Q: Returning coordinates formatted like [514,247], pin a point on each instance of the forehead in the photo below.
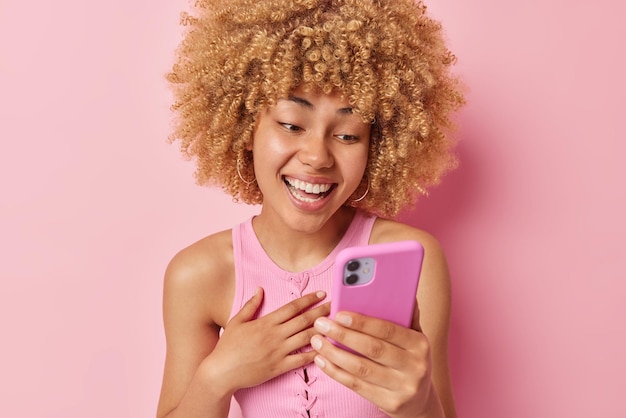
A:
[314,99]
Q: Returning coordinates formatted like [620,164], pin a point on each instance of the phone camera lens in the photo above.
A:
[353,265]
[352,279]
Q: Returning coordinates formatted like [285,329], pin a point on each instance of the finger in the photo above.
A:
[300,340]
[249,309]
[385,342]
[295,307]
[297,360]
[359,366]
[379,328]
[382,397]
[365,381]
[306,319]
[373,348]
[290,362]
[377,383]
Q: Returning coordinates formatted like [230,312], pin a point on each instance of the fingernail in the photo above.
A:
[322,324]
[344,319]
[320,362]
[316,343]
[321,294]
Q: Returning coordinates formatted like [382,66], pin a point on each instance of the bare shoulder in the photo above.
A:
[202,275]
[386,230]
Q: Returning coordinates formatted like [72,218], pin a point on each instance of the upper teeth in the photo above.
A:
[309,187]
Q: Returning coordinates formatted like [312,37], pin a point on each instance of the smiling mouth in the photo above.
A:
[308,192]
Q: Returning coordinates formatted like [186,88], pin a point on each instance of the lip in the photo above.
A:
[318,194]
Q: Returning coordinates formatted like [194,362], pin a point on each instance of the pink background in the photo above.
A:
[94,202]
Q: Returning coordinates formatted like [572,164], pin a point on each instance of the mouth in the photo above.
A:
[308,192]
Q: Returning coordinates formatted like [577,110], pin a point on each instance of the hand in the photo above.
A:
[252,351]
[394,372]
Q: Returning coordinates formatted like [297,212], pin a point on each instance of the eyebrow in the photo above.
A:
[305,103]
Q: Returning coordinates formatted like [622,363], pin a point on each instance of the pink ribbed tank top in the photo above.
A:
[290,395]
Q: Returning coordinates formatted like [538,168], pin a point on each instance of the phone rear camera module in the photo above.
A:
[352,279]
[358,271]
[353,265]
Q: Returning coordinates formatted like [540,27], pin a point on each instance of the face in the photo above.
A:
[310,152]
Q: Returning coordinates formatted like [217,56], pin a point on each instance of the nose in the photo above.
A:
[315,152]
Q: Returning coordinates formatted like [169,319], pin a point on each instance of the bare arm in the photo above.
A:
[191,335]
[434,298]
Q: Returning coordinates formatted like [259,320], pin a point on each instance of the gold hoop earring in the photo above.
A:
[364,194]
[247,182]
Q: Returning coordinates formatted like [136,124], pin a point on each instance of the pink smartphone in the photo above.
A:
[378,280]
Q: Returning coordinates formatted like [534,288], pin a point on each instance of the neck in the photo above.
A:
[300,249]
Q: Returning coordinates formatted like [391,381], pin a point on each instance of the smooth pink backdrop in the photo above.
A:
[94,202]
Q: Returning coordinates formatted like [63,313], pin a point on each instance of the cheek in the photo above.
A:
[363,157]
[270,155]
[271,144]
[354,165]
[278,148]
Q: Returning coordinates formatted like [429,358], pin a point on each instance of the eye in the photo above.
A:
[290,127]
[347,138]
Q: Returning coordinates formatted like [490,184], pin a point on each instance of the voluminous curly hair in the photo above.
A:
[386,57]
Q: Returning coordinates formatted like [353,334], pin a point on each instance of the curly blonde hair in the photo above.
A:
[386,57]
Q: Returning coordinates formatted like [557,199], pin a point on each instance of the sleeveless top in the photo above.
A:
[305,392]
